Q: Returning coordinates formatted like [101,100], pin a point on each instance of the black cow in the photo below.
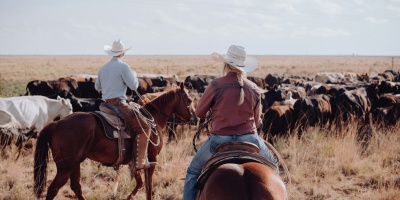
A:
[79,104]
[38,87]
[276,121]
[309,111]
[273,79]
[268,98]
[47,88]
[198,82]
[86,89]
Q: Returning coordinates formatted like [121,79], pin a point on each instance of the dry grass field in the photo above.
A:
[322,166]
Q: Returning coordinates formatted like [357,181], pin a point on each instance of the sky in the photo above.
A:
[200,27]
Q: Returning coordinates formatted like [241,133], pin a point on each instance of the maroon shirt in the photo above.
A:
[229,118]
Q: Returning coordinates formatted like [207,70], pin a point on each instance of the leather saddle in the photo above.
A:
[113,125]
[232,152]
[114,128]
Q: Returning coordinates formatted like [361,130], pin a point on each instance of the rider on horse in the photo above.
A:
[235,105]
[112,81]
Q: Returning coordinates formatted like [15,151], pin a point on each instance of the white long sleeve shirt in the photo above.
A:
[114,78]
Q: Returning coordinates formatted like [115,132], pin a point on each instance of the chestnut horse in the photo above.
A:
[250,180]
[80,136]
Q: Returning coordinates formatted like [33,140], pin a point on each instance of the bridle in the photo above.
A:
[183,94]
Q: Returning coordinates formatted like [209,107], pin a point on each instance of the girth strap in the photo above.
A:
[121,137]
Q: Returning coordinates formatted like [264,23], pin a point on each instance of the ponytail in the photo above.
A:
[239,77]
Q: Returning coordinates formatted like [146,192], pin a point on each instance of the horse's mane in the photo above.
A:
[160,102]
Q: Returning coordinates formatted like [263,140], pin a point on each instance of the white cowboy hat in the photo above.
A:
[116,49]
[237,57]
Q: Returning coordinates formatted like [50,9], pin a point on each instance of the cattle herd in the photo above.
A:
[290,104]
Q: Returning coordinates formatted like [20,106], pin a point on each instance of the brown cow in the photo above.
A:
[260,82]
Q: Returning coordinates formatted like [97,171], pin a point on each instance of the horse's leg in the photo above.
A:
[59,181]
[139,184]
[75,183]
[149,182]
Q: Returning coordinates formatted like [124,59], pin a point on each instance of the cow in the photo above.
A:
[313,111]
[86,89]
[260,82]
[25,116]
[386,100]
[288,101]
[80,104]
[268,98]
[356,106]
[47,88]
[329,77]
[83,77]
[35,112]
[162,80]
[297,91]
[389,87]
[386,117]
[351,105]
[198,83]
[273,79]
[144,87]
[276,121]
[38,87]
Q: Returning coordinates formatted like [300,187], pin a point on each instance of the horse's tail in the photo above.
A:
[41,158]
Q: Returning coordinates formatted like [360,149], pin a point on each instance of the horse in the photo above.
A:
[240,177]
[81,135]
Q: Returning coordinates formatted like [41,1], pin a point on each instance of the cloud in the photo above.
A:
[284,8]
[394,8]
[327,32]
[329,8]
[374,20]
[299,32]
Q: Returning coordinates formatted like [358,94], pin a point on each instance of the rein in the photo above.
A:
[201,127]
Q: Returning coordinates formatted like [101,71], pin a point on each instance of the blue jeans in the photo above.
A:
[208,149]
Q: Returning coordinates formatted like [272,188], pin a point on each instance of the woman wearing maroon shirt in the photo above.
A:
[235,104]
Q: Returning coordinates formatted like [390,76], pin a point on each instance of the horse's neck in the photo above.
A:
[160,118]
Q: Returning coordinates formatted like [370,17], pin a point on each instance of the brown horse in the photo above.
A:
[80,136]
[250,180]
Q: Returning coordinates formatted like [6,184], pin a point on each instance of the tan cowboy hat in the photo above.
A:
[116,49]
[237,57]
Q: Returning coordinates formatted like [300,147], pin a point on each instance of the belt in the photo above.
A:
[112,101]
[236,134]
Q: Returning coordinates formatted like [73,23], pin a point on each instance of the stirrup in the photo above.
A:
[147,165]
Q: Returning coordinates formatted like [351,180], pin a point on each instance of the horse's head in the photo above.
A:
[185,108]
[174,101]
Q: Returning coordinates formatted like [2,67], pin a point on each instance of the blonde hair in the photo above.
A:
[240,75]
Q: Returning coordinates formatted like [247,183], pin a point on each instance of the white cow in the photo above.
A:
[332,77]
[31,112]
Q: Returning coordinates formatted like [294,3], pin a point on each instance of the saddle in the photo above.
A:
[112,124]
[114,128]
[232,152]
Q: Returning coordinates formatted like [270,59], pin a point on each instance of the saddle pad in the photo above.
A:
[110,125]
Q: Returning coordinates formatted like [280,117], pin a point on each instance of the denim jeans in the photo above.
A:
[208,149]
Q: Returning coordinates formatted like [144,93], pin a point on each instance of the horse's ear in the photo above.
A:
[182,86]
